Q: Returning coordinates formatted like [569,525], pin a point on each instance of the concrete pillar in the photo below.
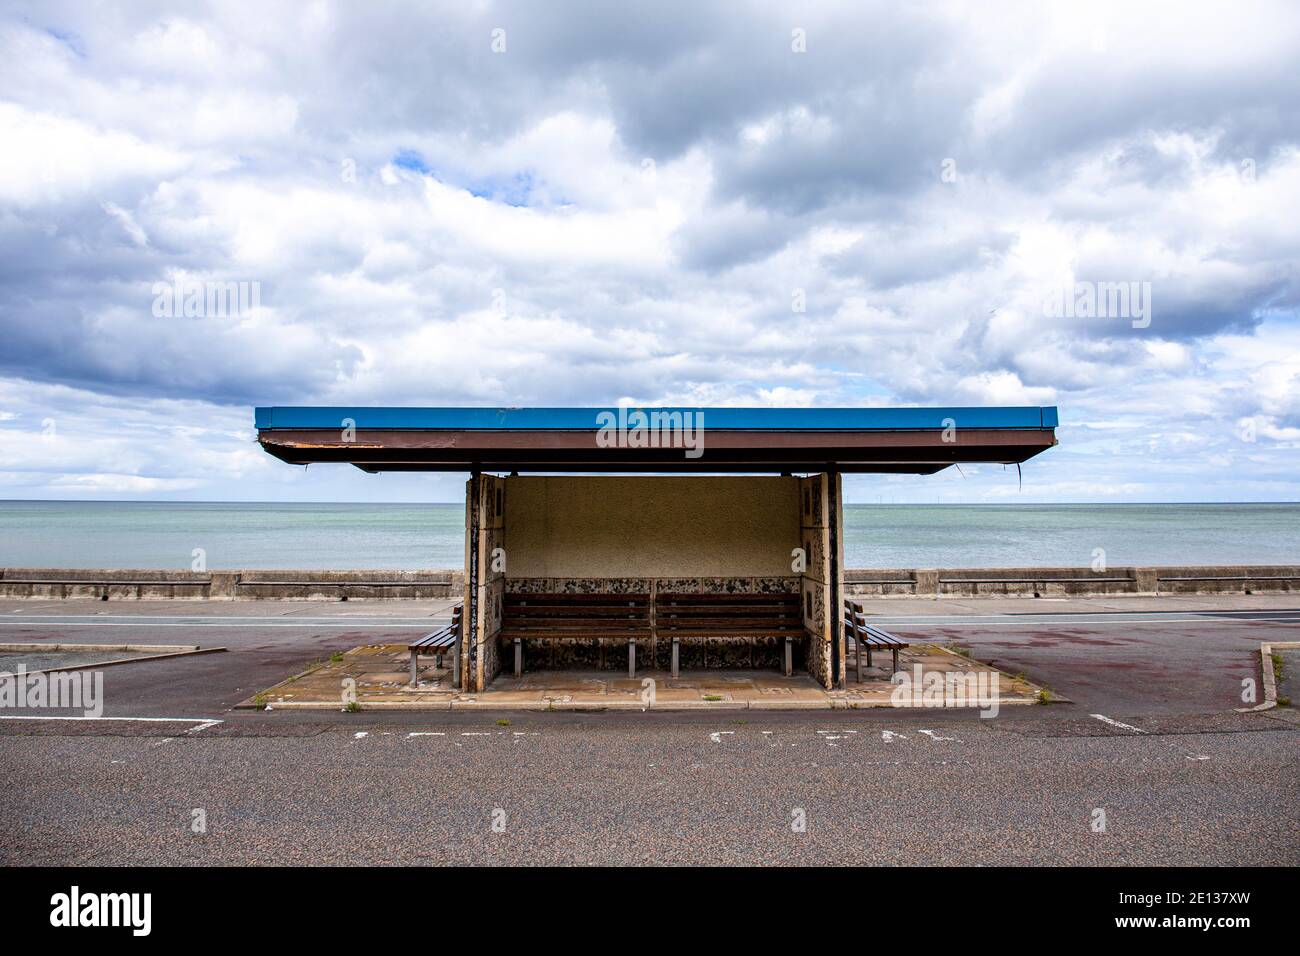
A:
[225,585]
[927,582]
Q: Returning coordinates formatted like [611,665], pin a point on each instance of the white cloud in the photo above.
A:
[632,208]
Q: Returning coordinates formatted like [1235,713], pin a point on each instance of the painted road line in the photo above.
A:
[1115,723]
[959,622]
[354,626]
[1067,616]
[204,722]
[940,623]
[1099,618]
[230,617]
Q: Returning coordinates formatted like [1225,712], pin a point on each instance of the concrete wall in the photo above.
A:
[1057,582]
[129,584]
[617,526]
[57,583]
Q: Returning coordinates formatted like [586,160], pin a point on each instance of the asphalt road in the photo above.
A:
[869,788]
[1150,741]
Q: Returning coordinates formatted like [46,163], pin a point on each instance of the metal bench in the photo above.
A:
[867,636]
[729,615]
[445,639]
[599,617]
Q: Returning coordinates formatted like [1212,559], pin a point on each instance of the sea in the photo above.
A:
[234,535]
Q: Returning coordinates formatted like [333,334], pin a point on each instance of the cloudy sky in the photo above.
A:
[580,203]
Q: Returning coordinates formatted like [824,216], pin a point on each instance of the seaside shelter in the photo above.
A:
[677,537]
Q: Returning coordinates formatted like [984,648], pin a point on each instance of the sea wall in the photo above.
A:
[1057,582]
[57,583]
[113,585]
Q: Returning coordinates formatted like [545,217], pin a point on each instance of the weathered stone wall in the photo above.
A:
[290,585]
[1080,581]
[492,564]
[248,585]
[654,651]
[814,525]
[837,622]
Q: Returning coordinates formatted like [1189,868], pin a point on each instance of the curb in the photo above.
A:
[1266,671]
[592,706]
[188,652]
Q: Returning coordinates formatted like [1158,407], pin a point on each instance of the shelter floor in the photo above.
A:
[382,681]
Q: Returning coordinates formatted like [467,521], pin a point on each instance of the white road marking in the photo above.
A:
[230,617]
[425,733]
[717,735]
[959,623]
[888,735]
[933,736]
[980,621]
[205,721]
[359,734]
[43,622]
[1115,723]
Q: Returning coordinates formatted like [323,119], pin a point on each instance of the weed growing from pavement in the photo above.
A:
[336,657]
[351,707]
[1044,695]
[1277,665]
[503,722]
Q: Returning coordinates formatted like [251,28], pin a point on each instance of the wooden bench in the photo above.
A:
[729,615]
[600,617]
[444,640]
[868,636]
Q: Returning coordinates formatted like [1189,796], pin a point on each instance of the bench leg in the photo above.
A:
[413,656]
[868,655]
[677,645]
[896,660]
[789,656]
[519,656]
[631,657]
[455,668]
[857,653]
